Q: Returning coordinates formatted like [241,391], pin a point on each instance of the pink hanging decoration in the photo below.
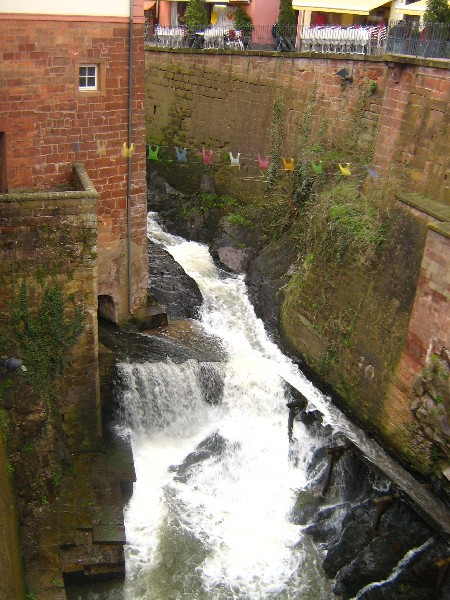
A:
[207,158]
[263,163]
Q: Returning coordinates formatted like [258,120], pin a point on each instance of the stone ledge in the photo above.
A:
[428,206]
[442,228]
[85,189]
[437,63]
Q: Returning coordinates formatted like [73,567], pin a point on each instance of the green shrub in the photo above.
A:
[196,15]
[242,21]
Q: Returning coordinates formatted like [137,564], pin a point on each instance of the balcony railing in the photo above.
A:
[412,39]
[431,41]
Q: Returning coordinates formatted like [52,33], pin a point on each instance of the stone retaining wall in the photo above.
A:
[54,234]
[225,101]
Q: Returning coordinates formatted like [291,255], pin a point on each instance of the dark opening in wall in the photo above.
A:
[3,178]
[107,308]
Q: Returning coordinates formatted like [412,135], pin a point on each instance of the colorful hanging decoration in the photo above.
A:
[207,158]
[317,168]
[288,165]
[371,171]
[263,163]
[235,161]
[101,147]
[127,152]
[345,170]
[153,152]
[181,156]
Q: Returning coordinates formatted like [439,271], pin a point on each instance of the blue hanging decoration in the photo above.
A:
[371,171]
[235,161]
[263,162]
[345,170]
[181,156]
[317,168]
[153,152]
[76,146]
[207,158]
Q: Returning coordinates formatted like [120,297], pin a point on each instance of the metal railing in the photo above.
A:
[413,39]
[430,41]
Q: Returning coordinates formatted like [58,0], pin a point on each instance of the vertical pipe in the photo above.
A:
[130,113]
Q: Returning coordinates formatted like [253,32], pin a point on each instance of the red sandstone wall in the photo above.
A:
[429,326]
[414,127]
[49,125]
[225,101]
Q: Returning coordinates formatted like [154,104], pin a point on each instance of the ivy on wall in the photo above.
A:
[43,338]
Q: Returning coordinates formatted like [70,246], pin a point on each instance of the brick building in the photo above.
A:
[66,98]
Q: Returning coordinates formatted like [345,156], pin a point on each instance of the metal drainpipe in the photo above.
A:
[130,96]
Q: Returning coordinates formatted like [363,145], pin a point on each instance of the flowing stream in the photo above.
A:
[217,525]
[210,515]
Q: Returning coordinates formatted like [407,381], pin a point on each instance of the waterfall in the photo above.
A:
[225,506]
[209,515]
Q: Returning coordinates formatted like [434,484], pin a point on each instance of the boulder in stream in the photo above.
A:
[213,445]
[172,287]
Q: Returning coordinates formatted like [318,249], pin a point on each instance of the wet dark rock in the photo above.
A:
[155,315]
[400,531]
[139,347]
[327,525]
[358,477]
[265,277]
[234,246]
[356,534]
[211,380]
[171,285]
[306,506]
[310,418]
[418,581]
[213,445]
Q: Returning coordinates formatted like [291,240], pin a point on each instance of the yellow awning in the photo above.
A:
[352,7]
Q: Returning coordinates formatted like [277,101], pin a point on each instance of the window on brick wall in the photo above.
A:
[88,77]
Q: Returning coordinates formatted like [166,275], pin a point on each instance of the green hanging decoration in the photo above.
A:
[317,168]
[153,152]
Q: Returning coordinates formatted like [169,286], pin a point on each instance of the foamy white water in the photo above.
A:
[217,527]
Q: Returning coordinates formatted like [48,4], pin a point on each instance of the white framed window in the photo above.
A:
[88,77]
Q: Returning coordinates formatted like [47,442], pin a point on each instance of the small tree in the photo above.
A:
[196,15]
[242,21]
[287,17]
[438,11]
